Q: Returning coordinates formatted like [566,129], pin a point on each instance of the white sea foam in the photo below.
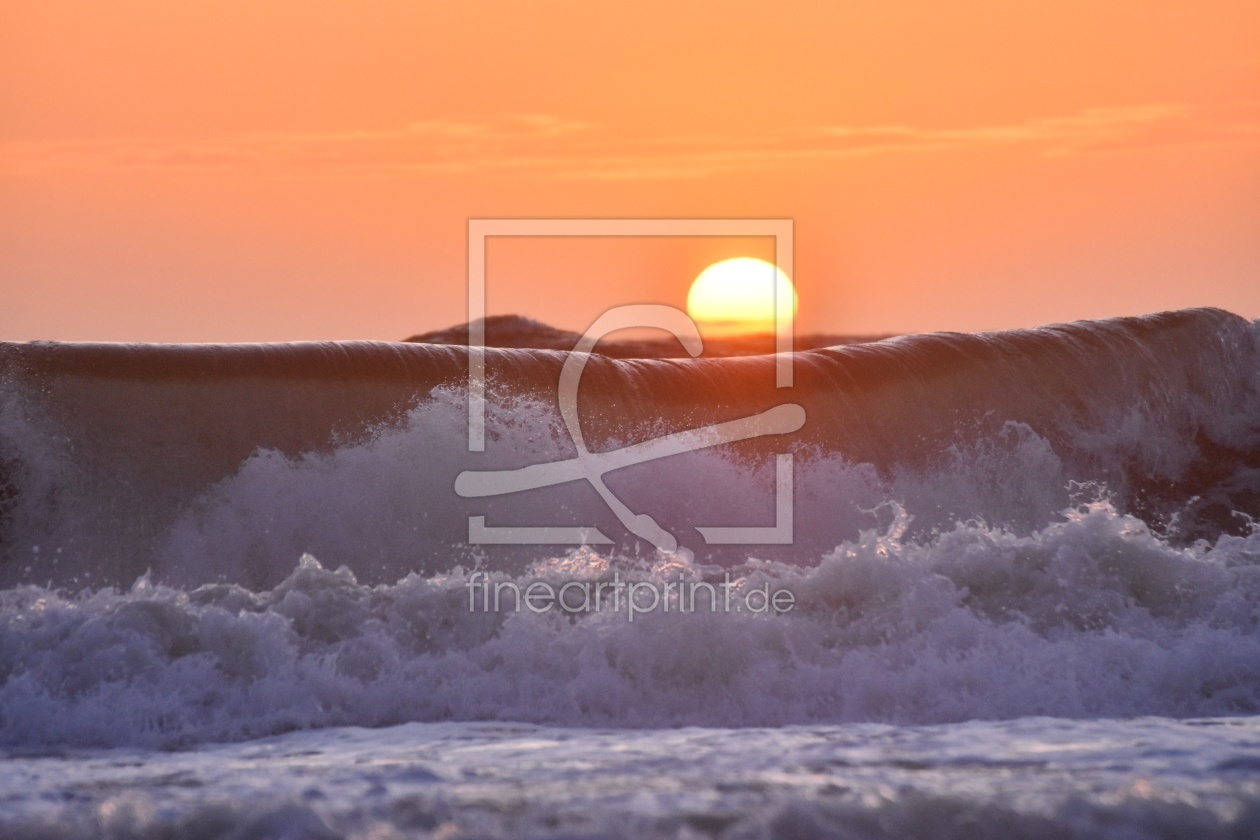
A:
[1090,616]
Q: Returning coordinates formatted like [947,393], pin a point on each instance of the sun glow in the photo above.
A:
[738,296]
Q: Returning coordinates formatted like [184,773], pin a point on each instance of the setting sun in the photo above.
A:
[737,296]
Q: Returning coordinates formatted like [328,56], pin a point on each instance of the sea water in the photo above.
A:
[1031,777]
[240,601]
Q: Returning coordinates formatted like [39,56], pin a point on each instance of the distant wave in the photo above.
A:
[522,332]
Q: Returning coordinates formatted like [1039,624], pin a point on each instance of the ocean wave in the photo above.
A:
[206,463]
[1057,521]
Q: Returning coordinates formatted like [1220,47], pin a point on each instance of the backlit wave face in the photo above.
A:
[227,463]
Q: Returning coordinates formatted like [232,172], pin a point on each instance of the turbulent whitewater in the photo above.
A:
[205,544]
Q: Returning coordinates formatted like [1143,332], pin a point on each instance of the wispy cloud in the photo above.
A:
[1091,128]
[551,146]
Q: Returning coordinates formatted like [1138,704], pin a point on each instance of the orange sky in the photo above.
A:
[302,169]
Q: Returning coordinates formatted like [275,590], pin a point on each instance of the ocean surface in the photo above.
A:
[1019,594]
